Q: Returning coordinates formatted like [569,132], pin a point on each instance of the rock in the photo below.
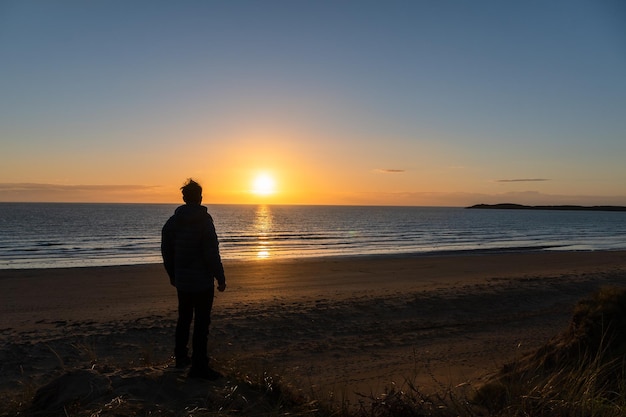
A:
[79,387]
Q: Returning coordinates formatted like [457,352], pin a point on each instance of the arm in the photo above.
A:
[211,254]
[167,250]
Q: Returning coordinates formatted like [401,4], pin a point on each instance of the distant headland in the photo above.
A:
[510,206]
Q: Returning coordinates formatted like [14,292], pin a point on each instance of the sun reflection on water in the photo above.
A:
[263,226]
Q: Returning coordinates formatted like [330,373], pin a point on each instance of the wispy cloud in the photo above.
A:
[464,199]
[63,187]
[524,180]
[389,171]
[78,193]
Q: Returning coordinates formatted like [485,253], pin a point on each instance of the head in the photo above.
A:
[192,192]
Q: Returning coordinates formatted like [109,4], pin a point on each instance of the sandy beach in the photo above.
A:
[335,326]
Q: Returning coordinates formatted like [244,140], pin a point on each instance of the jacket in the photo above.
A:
[190,249]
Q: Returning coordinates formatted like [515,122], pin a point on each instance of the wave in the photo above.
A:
[48,235]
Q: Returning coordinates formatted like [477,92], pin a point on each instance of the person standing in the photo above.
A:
[191,257]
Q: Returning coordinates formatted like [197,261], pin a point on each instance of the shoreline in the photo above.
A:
[341,325]
[398,255]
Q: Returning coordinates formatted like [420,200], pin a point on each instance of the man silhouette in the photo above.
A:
[191,257]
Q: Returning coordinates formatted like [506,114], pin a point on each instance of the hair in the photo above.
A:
[192,192]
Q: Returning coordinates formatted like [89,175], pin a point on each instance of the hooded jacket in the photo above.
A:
[190,249]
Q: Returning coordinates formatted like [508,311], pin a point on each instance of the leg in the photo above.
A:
[203,303]
[185,314]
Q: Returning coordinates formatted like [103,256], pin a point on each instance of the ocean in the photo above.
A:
[51,235]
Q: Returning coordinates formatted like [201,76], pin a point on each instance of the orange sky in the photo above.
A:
[375,103]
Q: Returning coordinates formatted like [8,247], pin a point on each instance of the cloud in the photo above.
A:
[389,171]
[62,187]
[30,192]
[524,180]
[464,199]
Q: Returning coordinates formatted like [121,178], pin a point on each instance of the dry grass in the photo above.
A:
[580,372]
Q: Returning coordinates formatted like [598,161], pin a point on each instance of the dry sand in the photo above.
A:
[331,326]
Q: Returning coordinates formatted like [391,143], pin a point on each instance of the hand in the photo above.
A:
[221,287]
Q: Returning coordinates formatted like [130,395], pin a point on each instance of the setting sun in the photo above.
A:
[263,184]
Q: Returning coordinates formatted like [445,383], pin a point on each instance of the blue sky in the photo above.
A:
[343,102]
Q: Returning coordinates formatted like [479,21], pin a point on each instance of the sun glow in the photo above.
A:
[263,184]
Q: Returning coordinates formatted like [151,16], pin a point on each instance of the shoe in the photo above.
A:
[207,373]
[183,362]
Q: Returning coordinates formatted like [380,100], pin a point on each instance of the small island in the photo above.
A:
[511,206]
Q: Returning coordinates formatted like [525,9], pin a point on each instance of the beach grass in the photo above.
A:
[566,395]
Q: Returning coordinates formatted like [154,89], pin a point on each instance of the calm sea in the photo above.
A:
[34,235]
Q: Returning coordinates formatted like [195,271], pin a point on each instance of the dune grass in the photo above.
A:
[580,372]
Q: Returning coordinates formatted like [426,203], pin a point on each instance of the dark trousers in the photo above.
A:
[190,305]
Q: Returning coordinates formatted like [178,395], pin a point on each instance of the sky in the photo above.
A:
[422,103]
